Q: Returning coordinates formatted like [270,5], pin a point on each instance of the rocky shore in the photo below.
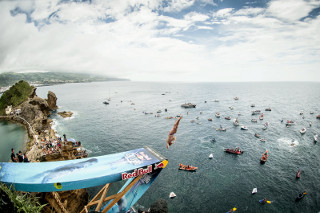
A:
[34,115]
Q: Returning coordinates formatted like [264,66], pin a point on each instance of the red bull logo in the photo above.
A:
[158,166]
[137,172]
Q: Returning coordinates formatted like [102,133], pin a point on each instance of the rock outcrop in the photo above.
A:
[65,114]
[52,101]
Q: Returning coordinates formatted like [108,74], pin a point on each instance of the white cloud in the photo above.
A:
[178,5]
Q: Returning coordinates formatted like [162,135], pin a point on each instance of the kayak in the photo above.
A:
[263,202]
[301,195]
[298,174]
[187,167]
[255,190]
[232,210]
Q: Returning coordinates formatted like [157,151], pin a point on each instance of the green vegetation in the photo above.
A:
[12,201]
[16,95]
[50,78]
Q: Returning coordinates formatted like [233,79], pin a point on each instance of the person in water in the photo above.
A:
[171,138]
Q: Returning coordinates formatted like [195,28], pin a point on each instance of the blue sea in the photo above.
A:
[221,183]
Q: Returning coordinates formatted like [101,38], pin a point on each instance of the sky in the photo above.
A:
[155,40]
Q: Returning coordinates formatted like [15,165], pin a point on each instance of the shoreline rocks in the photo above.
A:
[65,114]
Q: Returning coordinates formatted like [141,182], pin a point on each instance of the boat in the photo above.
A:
[172,195]
[216,100]
[254,120]
[252,105]
[301,113]
[209,119]
[187,167]
[263,140]
[268,109]
[221,129]
[255,112]
[261,116]
[290,123]
[257,135]
[244,128]
[298,174]
[106,102]
[301,195]
[159,111]
[311,113]
[231,107]
[211,156]
[232,210]
[188,105]
[254,191]
[228,118]
[310,123]
[236,98]
[264,157]
[236,151]
[218,114]
[303,130]
[264,201]
[236,122]
[316,137]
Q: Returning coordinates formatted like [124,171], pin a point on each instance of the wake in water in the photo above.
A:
[288,142]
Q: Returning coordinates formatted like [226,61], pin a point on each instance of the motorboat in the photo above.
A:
[256,112]
[228,118]
[172,195]
[257,135]
[159,111]
[221,129]
[231,107]
[216,100]
[187,167]
[244,128]
[261,116]
[254,120]
[303,130]
[236,151]
[209,119]
[290,123]
[236,98]
[105,102]
[218,114]
[316,138]
[268,109]
[264,157]
[252,105]
[236,122]
[263,140]
[188,105]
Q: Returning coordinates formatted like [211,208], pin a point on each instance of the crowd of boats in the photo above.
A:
[238,151]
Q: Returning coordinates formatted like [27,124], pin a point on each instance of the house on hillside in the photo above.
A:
[9,110]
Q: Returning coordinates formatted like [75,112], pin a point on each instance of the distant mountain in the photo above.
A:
[50,78]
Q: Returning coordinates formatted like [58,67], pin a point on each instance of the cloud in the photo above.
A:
[155,40]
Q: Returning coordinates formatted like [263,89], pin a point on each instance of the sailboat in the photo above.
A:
[255,190]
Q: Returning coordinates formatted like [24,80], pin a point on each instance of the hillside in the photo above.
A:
[50,78]
[16,95]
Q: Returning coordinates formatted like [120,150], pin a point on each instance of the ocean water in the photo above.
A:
[11,136]
[221,183]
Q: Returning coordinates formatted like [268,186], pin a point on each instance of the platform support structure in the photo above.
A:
[100,197]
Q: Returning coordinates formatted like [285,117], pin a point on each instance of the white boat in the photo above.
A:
[290,123]
[316,137]
[255,112]
[252,105]
[303,130]
[218,115]
[263,140]
[244,128]
[172,195]
[236,98]
[211,156]
[254,120]
[231,107]
[268,109]
[236,122]
[216,100]
[188,105]
[261,116]
[255,190]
